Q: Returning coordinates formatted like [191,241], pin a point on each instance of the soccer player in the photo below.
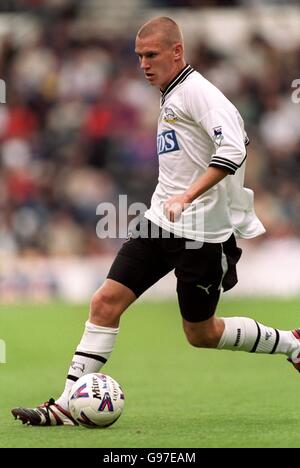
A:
[198,208]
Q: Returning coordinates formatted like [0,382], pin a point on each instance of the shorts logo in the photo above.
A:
[167,142]
[129,236]
[205,288]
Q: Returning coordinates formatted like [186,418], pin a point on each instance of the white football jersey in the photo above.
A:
[199,127]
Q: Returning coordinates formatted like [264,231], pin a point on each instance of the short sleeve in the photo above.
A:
[226,129]
[222,123]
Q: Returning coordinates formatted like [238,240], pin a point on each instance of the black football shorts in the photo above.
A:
[201,272]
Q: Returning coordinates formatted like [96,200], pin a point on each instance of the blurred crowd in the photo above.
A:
[78,128]
[50,5]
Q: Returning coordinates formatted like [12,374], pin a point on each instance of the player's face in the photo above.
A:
[159,61]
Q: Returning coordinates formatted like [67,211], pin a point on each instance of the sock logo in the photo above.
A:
[238,337]
[268,335]
[78,365]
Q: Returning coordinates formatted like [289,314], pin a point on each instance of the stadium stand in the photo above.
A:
[74,134]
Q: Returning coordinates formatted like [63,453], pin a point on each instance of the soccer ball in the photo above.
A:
[96,400]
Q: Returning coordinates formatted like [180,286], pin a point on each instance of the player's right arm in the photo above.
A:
[175,205]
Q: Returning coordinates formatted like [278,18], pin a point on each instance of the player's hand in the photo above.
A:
[174,207]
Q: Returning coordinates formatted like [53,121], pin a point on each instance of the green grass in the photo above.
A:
[176,395]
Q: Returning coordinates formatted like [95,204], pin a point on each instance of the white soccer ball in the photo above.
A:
[96,400]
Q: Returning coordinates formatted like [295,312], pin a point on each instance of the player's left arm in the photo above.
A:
[174,206]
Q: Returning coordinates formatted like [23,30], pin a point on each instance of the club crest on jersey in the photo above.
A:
[169,116]
[167,142]
[218,135]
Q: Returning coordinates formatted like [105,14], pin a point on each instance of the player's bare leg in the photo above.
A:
[205,334]
[97,343]
[244,334]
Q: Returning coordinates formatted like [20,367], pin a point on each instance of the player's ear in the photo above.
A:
[178,51]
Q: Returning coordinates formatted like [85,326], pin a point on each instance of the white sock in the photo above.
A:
[245,334]
[91,354]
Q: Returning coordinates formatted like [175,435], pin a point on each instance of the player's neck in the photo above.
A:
[176,73]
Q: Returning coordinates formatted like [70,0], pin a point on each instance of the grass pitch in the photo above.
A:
[176,395]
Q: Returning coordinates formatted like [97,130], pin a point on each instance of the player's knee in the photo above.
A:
[104,306]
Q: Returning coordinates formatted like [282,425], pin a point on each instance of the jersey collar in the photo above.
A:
[182,75]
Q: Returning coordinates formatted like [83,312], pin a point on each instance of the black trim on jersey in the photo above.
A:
[276,342]
[222,166]
[257,339]
[224,160]
[91,356]
[218,161]
[176,81]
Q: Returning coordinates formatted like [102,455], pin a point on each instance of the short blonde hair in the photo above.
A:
[165,26]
